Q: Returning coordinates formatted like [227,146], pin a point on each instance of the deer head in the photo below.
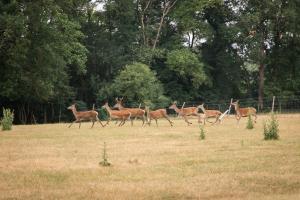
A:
[201,106]
[235,103]
[119,102]
[72,107]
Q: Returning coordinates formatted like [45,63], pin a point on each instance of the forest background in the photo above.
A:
[54,53]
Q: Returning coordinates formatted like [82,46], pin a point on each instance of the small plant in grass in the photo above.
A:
[202,133]
[250,124]
[7,120]
[104,161]
[271,131]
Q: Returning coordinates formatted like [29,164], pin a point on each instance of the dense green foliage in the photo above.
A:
[138,84]
[202,133]
[271,131]
[55,52]
[7,120]
[250,124]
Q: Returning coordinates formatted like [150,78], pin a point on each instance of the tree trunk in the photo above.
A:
[261,86]
[261,71]
[158,31]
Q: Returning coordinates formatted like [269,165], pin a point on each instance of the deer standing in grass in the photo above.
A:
[84,115]
[243,112]
[117,114]
[210,113]
[189,111]
[157,114]
[135,112]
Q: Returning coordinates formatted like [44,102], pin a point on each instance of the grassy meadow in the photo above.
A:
[56,162]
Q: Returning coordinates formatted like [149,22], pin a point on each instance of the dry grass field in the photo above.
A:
[55,162]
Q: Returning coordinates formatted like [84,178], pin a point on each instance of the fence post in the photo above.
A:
[230,106]
[273,104]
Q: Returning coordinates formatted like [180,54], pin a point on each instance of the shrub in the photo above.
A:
[138,83]
[250,124]
[8,118]
[202,133]
[271,131]
[104,161]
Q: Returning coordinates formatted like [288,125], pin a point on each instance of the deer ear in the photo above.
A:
[121,99]
[175,102]
[237,101]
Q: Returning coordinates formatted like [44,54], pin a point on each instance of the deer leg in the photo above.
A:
[131,121]
[73,123]
[219,119]
[238,120]
[108,120]
[167,118]
[149,123]
[143,119]
[185,119]
[255,118]
[98,120]
[124,121]
[79,123]
[121,122]
[93,123]
[156,122]
[199,118]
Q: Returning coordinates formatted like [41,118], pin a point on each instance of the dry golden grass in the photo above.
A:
[55,162]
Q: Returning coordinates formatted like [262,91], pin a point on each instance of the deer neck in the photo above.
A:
[74,111]
[121,107]
[107,108]
[237,109]
[177,109]
[203,109]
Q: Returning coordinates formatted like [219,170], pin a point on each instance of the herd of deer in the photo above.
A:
[123,114]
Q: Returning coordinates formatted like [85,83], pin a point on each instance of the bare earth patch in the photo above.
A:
[55,162]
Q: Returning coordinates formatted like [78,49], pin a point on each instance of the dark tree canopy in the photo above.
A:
[53,53]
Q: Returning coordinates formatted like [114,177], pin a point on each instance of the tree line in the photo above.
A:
[53,53]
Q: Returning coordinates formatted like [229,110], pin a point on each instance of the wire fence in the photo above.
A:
[282,104]
[53,113]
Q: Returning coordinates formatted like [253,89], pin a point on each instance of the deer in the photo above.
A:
[135,112]
[243,112]
[189,111]
[84,115]
[157,114]
[210,113]
[117,114]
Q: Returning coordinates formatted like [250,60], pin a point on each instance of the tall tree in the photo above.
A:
[38,42]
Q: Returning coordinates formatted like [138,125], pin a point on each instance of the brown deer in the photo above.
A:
[135,112]
[189,111]
[157,114]
[84,115]
[117,114]
[210,113]
[243,112]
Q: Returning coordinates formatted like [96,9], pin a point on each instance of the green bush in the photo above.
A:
[202,133]
[250,124]
[7,120]
[271,131]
